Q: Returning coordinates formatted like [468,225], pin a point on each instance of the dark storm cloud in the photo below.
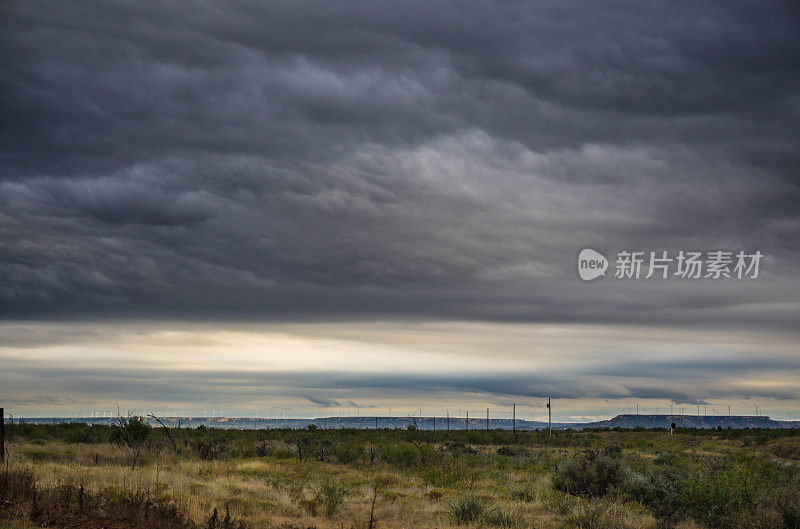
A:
[373,159]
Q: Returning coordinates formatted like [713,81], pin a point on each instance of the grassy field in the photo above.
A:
[137,476]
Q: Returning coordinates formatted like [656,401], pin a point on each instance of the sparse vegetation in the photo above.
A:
[126,476]
[467,509]
[504,518]
[590,474]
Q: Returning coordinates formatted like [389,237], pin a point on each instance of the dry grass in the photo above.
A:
[514,482]
[267,492]
[16,524]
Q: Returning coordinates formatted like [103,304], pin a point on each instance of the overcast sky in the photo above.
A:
[318,206]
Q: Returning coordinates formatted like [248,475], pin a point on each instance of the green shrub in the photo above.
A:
[786,502]
[662,493]
[331,496]
[719,494]
[591,475]
[400,454]
[349,453]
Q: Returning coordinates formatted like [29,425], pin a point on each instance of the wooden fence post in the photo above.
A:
[2,434]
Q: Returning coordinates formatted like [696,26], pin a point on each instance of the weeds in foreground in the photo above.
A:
[597,514]
[70,506]
[468,509]
[503,518]
[472,509]
[525,493]
[561,504]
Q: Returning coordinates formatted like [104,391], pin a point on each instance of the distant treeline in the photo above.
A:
[94,433]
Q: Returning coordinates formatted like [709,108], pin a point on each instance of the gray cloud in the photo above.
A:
[253,160]
[332,403]
[36,400]
[614,380]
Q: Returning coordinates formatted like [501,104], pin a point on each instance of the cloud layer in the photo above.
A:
[287,159]
[369,161]
[314,369]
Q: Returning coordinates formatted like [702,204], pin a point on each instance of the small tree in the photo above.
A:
[316,444]
[377,484]
[166,431]
[133,433]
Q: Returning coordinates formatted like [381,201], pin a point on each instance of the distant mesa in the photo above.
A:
[441,423]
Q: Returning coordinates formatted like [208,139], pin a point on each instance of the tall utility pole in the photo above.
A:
[2,434]
[448,420]
[487,419]
[514,417]
[549,418]
[466,423]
